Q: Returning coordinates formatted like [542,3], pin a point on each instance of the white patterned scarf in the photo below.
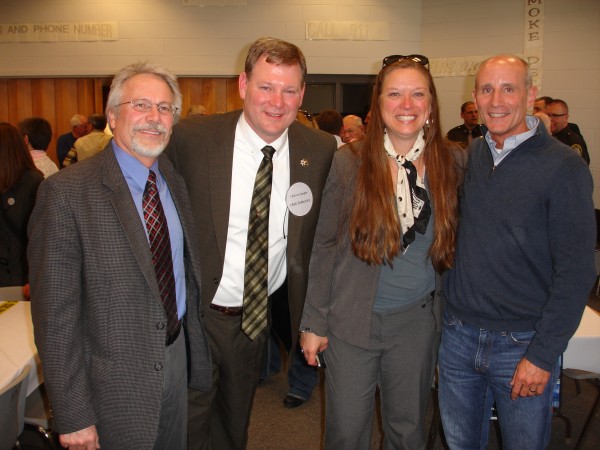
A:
[412,200]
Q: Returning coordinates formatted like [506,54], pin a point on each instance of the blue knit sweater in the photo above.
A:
[526,239]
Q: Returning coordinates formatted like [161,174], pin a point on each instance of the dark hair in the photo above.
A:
[38,132]
[331,121]
[546,99]
[465,104]
[278,52]
[558,101]
[374,224]
[14,155]
[98,121]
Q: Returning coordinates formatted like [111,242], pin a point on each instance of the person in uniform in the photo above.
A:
[558,110]
[470,129]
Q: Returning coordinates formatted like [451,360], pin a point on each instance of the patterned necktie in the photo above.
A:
[160,245]
[256,272]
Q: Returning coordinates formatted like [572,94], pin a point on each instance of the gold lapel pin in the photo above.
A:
[304,162]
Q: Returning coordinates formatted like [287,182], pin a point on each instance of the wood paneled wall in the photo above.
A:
[58,99]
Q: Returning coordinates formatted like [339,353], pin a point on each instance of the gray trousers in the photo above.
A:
[401,360]
[172,424]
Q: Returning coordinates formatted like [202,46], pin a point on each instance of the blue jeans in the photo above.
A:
[302,378]
[475,369]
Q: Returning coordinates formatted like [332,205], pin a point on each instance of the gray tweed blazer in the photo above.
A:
[98,317]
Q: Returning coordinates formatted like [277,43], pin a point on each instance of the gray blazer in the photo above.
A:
[99,321]
[201,149]
[342,288]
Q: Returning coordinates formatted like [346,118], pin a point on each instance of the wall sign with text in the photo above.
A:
[59,32]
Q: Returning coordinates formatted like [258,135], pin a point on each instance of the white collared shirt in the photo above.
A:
[247,157]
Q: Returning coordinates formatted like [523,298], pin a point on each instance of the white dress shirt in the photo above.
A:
[247,156]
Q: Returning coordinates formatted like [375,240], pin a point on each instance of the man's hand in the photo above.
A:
[310,344]
[86,439]
[528,380]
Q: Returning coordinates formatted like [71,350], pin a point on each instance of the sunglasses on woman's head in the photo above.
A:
[423,60]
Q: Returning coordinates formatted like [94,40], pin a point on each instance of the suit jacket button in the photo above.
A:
[201,313]
[160,326]
[215,281]
[158,367]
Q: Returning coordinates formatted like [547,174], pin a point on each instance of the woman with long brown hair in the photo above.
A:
[387,226]
[19,180]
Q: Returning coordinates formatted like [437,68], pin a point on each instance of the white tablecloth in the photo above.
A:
[17,348]
[583,352]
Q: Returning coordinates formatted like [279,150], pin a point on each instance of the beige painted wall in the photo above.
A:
[571,55]
[212,40]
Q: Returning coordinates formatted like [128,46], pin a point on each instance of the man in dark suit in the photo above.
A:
[108,308]
[470,129]
[220,157]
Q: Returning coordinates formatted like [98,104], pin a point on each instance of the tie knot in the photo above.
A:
[268,151]
[150,184]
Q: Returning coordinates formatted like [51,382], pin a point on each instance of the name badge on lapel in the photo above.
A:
[299,199]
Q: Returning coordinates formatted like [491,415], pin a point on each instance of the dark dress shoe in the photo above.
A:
[291,401]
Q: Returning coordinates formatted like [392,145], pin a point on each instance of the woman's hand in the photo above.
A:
[310,344]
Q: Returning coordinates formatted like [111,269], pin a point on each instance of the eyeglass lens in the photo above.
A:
[145,106]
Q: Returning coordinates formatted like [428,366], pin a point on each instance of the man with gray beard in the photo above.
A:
[115,278]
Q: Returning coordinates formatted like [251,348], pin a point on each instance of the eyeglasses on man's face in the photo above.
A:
[554,116]
[144,106]
[423,60]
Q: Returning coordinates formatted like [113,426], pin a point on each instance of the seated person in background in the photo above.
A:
[80,126]
[331,121]
[470,129]
[353,130]
[37,134]
[540,105]
[558,110]
[87,146]
[19,180]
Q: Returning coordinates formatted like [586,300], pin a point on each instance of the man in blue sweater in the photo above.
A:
[524,268]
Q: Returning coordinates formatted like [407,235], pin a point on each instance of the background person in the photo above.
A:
[387,224]
[87,146]
[37,134]
[353,129]
[111,286]
[470,129]
[220,157]
[80,126]
[541,105]
[523,270]
[558,111]
[19,181]
[331,121]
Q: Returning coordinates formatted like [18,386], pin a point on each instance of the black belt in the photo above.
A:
[232,311]
[174,336]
